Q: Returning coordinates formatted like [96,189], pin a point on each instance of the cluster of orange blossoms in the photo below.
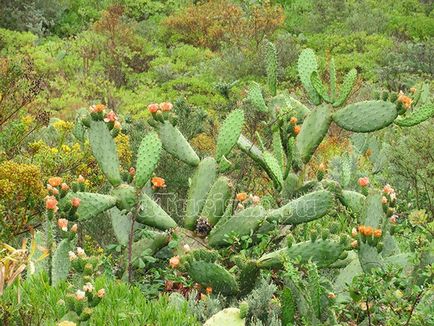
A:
[155,107]
[363,182]
[293,121]
[368,231]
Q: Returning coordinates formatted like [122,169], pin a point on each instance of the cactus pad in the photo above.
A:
[417,116]
[104,149]
[306,66]
[303,209]
[226,317]
[201,183]
[153,215]
[150,244]
[313,131]
[60,262]
[271,67]
[217,199]
[242,223]
[346,87]
[255,97]
[126,196]
[174,143]
[366,116]
[275,168]
[319,87]
[229,133]
[147,158]
[212,275]
[90,204]
[121,224]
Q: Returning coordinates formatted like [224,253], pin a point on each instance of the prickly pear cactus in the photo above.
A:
[228,317]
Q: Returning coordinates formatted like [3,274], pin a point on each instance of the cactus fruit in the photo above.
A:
[306,66]
[104,149]
[303,209]
[175,144]
[313,131]
[226,317]
[153,215]
[217,199]
[255,97]
[271,67]
[90,204]
[201,184]
[243,223]
[147,158]
[212,275]
[346,87]
[366,116]
[229,133]
[60,261]
[417,116]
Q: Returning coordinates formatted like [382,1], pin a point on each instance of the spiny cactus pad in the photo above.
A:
[201,183]
[346,87]
[275,168]
[301,111]
[321,252]
[174,143]
[255,97]
[90,204]
[303,209]
[104,150]
[147,158]
[306,66]
[313,131]
[319,87]
[353,201]
[153,215]
[212,275]
[242,223]
[60,262]
[271,67]
[366,116]
[229,133]
[278,150]
[150,244]
[217,199]
[126,196]
[121,224]
[332,78]
[226,317]
[417,116]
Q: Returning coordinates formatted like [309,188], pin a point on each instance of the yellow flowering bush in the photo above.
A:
[21,192]
[124,149]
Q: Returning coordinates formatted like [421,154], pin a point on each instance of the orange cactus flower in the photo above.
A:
[110,117]
[132,171]
[80,295]
[405,100]
[81,179]
[354,244]
[97,108]
[100,293]
[166,106]
[388,189]
[354,232]
[297,130]
[174,262]
[208,290]
[384,200]
[158,182]
[331,295]
[293,121]
[368,231]
[51,203]
[242,196]
[75,202]
[393,219]
[62,223]
[153,107]
[55,181]
[54,191]
[117,125]
[377,233]
[361,228]
[363,182]
[64,187]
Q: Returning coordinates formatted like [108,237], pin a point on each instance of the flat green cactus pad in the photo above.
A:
[354,201]
[90,204]
[226,317]
[150,244]
[229,133]
[313,131]
[61,263]
[212,275]
[306,66]
[242,223]
[147,158]
[417,116]
[153,215]
[303,209]
[121,224]
[366,116]
[217,199]
[174,143]
[104,150]
[346,87]
[201,184]
[255,97]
